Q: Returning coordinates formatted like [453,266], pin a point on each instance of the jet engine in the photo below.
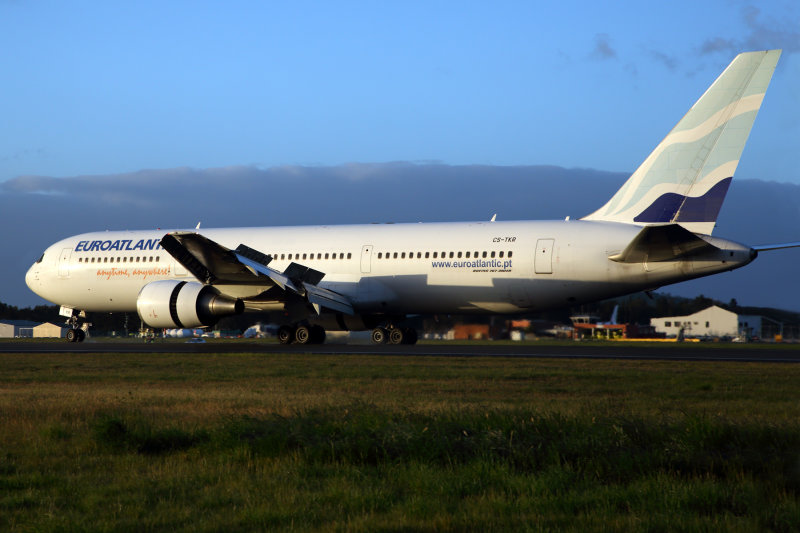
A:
[182,304]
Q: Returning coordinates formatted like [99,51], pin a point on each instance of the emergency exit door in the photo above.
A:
[63,263]
[366,259]
[543,260]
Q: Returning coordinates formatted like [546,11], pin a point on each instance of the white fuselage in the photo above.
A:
[477,267]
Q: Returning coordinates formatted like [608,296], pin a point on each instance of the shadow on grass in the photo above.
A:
[605,451]
[121,435]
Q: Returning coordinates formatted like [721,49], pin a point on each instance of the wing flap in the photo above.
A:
[320,297]
[280,279]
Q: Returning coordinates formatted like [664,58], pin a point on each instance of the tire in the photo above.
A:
[302,335]
[317,335]
[410,336]
[72,335]
[285,334]
[379,336]
[396,336]
[81,335]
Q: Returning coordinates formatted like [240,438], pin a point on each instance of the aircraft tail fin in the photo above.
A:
[685,179]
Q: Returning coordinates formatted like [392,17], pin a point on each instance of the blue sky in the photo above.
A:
[106,87]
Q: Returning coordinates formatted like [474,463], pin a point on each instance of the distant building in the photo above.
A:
[713,321]
[48,330]
[471,331]
[10,329]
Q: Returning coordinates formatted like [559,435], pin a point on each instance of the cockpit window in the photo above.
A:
[40,259]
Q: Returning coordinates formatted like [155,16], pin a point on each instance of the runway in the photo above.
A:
[746,353]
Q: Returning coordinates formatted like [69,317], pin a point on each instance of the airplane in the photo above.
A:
[654,231]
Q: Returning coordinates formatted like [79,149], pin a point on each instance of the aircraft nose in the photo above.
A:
[32,278]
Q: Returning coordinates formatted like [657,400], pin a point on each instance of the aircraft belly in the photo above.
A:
[413,294]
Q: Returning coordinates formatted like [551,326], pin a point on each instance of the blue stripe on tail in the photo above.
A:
[700,209]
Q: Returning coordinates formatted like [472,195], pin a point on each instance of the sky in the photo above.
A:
[108,87]
[106,106]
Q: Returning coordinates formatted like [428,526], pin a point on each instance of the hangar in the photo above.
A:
[712,321]
[10,329]
[49,330]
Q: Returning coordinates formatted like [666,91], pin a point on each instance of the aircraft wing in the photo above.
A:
[214,264]
[208,261]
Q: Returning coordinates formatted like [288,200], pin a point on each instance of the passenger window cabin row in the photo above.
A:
[308,256]
[397,255]
[445,255]
[326,255]
[123,259]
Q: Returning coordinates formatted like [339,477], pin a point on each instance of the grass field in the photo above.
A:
[133,442]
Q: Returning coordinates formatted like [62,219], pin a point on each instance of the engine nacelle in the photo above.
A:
[184,304]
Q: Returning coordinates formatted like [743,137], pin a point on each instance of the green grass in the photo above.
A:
[364,443]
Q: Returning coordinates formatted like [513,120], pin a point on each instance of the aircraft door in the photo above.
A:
[366,259]
[63,263]
[543,260]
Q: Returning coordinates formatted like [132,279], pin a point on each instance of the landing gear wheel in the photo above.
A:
[379,336]
[409,336]
[285,334]
[317,335]
[302,335]
[396,336]
[77,329]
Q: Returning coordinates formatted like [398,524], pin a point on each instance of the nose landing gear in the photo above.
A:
[77,332]
[75,335]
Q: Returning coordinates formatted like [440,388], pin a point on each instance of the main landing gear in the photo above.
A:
[301,334]
[394,335]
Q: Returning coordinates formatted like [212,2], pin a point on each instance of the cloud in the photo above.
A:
[40,209]
[763,33]
[602,47]
[666,60]
[33,184]
[718,44]
[24,154]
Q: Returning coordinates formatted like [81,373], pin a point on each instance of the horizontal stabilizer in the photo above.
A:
[768,247]
[662,243]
